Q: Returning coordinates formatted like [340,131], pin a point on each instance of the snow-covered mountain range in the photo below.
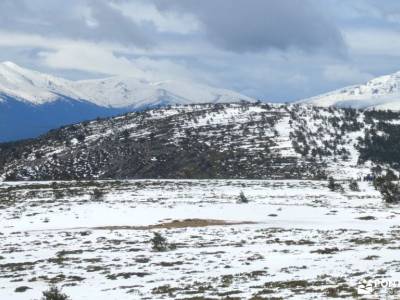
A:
[32,103]
[117,92]
[381,93]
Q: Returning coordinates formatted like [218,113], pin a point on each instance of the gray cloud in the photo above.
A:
[248,45]
[234,25]
[93,20]
[256,25]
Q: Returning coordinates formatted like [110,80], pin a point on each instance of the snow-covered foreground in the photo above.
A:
[297,240]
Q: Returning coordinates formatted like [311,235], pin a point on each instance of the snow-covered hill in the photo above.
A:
[237,140]
[116,92]
[382,93]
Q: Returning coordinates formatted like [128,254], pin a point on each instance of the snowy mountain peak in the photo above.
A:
[117,92]
[135,93]
[379,93]
[31,86]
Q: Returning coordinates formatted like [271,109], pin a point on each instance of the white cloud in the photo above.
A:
[91,58]
[375,41]
[100,58]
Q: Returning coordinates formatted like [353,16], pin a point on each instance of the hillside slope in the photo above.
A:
[212,141]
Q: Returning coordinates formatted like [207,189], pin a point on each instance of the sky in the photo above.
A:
[272,50]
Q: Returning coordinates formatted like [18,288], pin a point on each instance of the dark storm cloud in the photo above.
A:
[235,25]
[67,19]
[256,25]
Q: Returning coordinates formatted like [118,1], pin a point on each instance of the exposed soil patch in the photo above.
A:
[176,224]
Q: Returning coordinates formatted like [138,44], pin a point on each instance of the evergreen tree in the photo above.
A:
[54,294]
[159,243]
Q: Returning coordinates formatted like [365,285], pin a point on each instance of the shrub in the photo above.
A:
[390,191]
[331,183]
[58,194]
[353,185]
[390,175]
[159,243]
[54,293]
[97,195]
[80,138]
[334,186]
[243,198]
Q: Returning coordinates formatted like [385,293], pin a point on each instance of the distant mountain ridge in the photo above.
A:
[381,93]
[32,103]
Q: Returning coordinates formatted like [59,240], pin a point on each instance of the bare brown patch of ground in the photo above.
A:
[187,223]
[176,224]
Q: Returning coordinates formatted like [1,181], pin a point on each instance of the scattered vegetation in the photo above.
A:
[54,293]
[22,289]
[326,250]
[97,195]
[390,191]
[367,218]
[214,244]
[381,143]
[353,186]
[247,146]
[334,186]
[243,198]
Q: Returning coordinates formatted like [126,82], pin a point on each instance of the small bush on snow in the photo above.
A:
[54,293]
[353,185]
[160,243]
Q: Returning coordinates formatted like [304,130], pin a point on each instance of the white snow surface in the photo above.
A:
[44,238]
[381,93]
[117,92]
